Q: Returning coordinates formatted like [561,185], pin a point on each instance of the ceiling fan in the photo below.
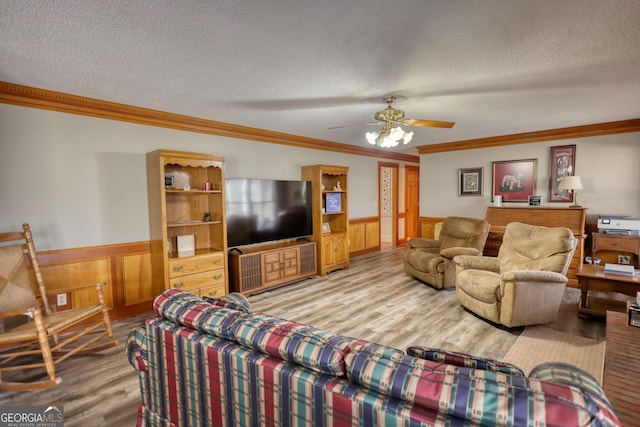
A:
[392,115]
[391,133]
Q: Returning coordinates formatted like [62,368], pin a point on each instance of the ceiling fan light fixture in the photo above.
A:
[389,138]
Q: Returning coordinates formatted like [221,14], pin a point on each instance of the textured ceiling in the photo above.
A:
[494,66]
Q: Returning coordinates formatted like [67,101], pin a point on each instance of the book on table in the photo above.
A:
[619,269]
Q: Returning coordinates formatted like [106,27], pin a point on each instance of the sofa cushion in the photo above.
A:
[463,360]
[234,301]
[480,397]
[481,285]
[187,309]
[423,260]
[318,350]
[529,247]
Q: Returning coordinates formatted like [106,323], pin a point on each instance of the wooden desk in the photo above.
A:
[593,278]
[622,368]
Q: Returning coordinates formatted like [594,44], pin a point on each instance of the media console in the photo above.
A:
[258,268]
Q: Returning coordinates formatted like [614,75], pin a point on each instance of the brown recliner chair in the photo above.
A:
[431,261]
[525,283]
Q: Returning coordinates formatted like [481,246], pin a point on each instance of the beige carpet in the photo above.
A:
[539,344]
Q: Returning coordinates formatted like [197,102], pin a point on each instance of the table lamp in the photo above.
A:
[571,183]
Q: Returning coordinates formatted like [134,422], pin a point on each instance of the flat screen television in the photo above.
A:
[263,210]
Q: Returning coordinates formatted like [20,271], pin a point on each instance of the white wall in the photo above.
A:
[608,165]
[81,181]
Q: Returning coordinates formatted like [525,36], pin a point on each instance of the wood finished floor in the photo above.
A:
[373,300]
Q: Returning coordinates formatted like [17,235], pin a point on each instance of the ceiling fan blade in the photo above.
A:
[356,124]
[427,123]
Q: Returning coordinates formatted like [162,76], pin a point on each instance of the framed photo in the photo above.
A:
[333,202]
[186,245]
[470,181]
[514,180]
[326,228]
[168,182]
[535,200]
[562,161]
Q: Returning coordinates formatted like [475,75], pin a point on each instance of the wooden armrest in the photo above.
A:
[31,311]
[75,288]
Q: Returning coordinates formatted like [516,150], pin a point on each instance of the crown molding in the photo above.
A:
[598,129]
[27,96]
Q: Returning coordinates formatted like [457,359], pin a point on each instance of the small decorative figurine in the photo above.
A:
[337,187]
[207,217]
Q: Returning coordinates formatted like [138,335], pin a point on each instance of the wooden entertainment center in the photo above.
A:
[258,268]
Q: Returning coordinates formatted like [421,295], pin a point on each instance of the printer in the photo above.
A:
[624,225]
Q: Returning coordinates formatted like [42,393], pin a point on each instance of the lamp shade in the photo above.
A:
[570,183]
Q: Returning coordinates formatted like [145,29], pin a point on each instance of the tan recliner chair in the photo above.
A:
[431,261]
[525,283]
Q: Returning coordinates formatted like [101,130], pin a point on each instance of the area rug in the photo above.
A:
[539,344]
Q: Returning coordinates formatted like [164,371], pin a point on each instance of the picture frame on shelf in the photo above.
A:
[562,161]
[333,202]
[186,245]
[535,200]
[470,181]
[514,180]
[169,182]
[326,229]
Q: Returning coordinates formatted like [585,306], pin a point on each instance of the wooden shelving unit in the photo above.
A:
[330,215]
[180,211]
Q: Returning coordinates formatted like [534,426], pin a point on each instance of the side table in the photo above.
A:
[622,368]
[594,278]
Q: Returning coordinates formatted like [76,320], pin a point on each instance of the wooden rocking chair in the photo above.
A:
[43,338]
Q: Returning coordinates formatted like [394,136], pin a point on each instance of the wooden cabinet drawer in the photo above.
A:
[181,266]
[603,242]
[213,291]
[198,280]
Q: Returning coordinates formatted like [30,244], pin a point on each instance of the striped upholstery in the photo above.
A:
[204,365]
[479,396]
[314,349]
[186,309]
[234,301]
[574,376]
[463,360]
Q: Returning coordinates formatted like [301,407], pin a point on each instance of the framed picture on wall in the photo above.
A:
[514,180]
[470,181]
[562,161]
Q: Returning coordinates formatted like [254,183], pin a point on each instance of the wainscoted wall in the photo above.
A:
[428,225]
[364,235]
[126,271]
[124,268]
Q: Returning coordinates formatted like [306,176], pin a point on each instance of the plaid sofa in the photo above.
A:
[216,363]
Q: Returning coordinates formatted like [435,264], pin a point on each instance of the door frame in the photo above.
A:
[406,197]
[394,200]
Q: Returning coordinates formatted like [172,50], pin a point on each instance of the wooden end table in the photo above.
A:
[622,368]
[594,278]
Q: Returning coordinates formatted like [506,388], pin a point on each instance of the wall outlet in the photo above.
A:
[624,259]
[61,299]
